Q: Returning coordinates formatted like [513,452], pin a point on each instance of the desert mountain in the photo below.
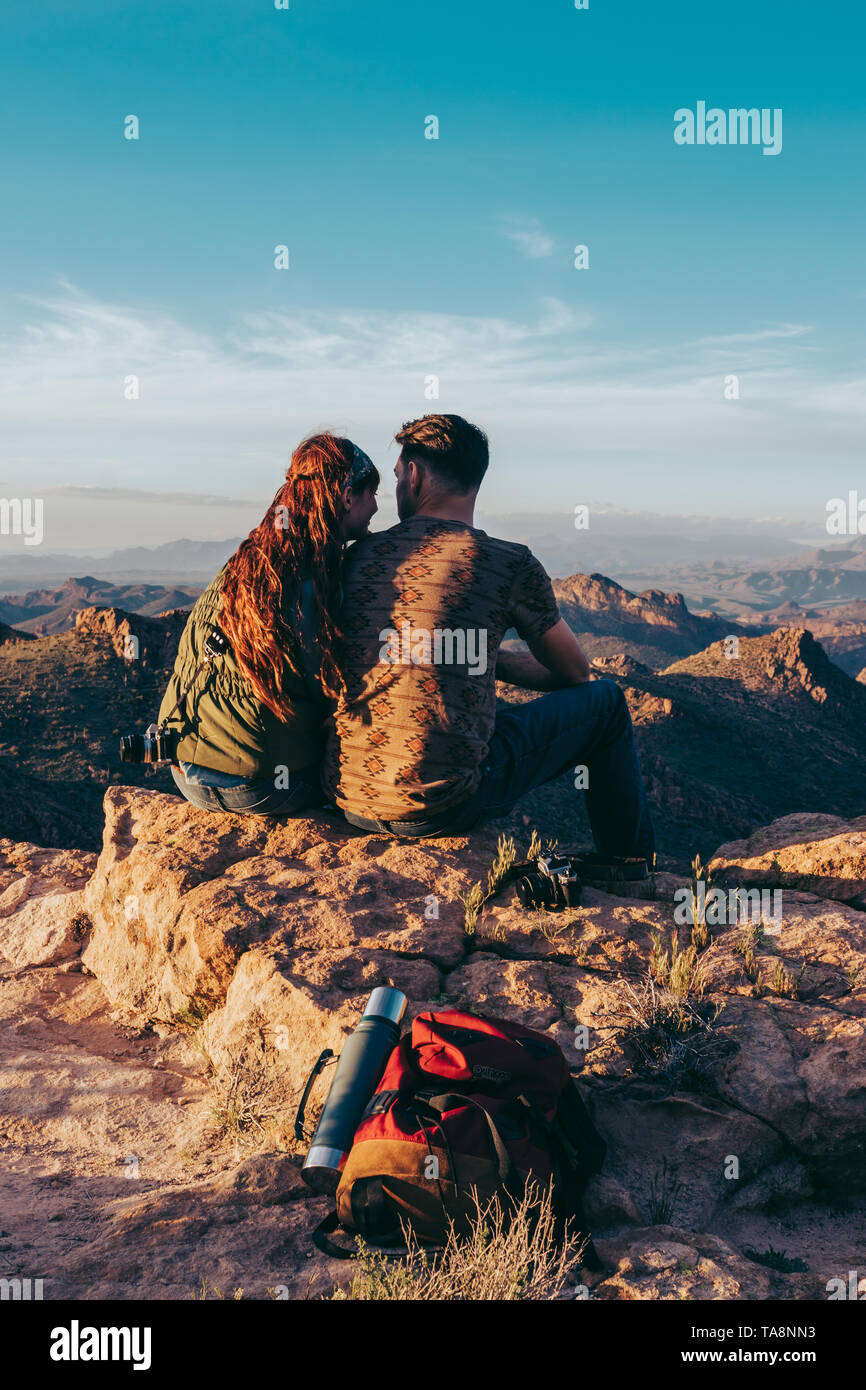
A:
[157,638]
[64,702]
[827,577]
[849,554]
[762,589]
[651,626]
[841,632]
[47,611]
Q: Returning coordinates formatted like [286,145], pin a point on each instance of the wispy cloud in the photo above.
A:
[132,494]
[775,331]
[530,238]
[219,412]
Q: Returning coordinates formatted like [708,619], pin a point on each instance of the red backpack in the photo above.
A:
[466,1107]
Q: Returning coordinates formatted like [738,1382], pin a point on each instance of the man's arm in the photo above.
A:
[554,660]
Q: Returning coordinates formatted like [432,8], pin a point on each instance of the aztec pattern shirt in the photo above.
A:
[426,605]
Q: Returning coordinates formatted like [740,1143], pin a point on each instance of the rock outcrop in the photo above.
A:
[825,855]
[597,606]
[133,636]
[13,634]
[41,914]
[277,933]
[737,1092]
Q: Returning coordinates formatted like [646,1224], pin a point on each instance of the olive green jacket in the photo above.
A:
[222,723]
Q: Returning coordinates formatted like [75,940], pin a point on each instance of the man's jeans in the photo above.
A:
[584,725]
[258,797]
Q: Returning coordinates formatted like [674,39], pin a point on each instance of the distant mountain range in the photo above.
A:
[625,545]
[652,625]
[45,611]
[827,577]
[172,564]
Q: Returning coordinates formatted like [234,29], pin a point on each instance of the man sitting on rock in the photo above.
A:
[419,746]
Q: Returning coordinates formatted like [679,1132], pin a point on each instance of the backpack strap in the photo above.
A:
[216,644]
[322,1241]
[508,1174]
[379,1102]
[372,1220]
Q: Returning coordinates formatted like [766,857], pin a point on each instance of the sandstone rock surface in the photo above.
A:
[41,912]
[230,951]
[824,855]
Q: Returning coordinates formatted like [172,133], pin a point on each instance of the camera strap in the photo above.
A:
[216,644]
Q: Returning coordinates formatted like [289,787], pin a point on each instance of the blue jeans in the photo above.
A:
[584,725]
[258,797]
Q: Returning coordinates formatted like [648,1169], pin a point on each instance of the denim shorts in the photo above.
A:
[258,797]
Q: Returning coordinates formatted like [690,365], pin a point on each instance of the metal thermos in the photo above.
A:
[359,1072]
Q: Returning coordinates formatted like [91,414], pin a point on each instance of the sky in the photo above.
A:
[414,258]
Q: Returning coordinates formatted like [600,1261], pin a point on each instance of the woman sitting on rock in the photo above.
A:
[250,723]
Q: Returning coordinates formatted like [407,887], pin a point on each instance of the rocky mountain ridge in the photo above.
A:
[653,625]
[45,612]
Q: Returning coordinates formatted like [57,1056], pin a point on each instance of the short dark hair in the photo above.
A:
[455,452]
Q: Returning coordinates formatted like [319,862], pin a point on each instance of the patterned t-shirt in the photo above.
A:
[426,605]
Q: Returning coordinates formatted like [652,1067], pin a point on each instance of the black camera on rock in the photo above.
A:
[552,884]
[155,745]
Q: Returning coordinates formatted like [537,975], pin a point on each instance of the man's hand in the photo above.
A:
[554,661]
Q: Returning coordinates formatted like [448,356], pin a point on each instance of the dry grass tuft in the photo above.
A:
[499,1260]
[473,901]
[248,1100]
[679,971]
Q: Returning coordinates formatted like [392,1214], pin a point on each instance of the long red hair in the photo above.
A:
[299,537]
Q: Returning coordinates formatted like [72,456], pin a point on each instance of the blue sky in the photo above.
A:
[412,257]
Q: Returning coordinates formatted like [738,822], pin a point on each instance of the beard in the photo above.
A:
[406,503]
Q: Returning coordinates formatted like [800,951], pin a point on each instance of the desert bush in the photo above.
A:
[481,893]
[248,1095]
[775,1259]
[700,930]
[478,895]
[81,924]
[672,1037]
[207,1290]
[191,1017]
[507,1255]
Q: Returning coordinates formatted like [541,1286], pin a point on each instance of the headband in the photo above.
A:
[362,464]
